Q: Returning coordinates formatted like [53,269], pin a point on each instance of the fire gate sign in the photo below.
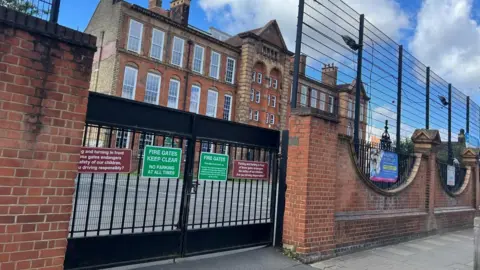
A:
[213,167]
[104,160]
[250,170]
[161,162]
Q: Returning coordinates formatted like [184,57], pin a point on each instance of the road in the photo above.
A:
[117,201]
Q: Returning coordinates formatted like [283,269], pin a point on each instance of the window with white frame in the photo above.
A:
[269,82]
[272,119]
[250,114]
[268,100]
[323,99]
[255,116]
[360,134]
[303,95]
[173,90]
[274,101]
[145,139]
[198,58]
[259,78]
[212,100]
[177,51]
[195,99]
[227,108]
[267,118]
[207,147]
[152,88]
[257,97]
[134,43]
[349,129]
[313,98]
[331,104]
[275,83]
[122,139]
[230,73]
[129,82]
[252,95]
[156,51]
[215,65]
[350,109]
[362,114]
[254,76]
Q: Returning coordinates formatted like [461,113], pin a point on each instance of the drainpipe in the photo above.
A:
[190,43]
[99,60]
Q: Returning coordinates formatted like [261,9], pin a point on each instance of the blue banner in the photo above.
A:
[383,166]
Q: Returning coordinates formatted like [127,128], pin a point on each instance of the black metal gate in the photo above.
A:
[121,219]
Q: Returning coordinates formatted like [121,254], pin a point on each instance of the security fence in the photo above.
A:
[44,9]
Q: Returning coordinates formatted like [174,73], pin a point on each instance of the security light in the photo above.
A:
[443,100]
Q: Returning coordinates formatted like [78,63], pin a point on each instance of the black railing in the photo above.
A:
[459,177]
[44,9]
[367,151]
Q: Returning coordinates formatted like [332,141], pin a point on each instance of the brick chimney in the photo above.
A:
[156,6]
[179,11]
[329,74]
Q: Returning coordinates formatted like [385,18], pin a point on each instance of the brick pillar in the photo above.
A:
[469,158]
[425,142]
[310,198]
[245,81]
[44,85]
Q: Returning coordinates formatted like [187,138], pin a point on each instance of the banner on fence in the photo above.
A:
[104,160]
[451,175]
[213,167]
[250,170]
[161,162]
[383,166]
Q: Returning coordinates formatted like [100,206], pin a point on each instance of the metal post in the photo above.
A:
[358,83]
[468,115]
[298,50]
[282,188]
[427,112]
[399,94]
[54,11]
[450,153]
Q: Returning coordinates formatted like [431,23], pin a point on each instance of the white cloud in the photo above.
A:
[447,38]
[240,15]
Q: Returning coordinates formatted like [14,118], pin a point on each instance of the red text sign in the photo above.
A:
[250,169]
[104,160]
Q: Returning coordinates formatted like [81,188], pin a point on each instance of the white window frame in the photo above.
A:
[233,71]
[181,53]
[252,95]
[127,142]
[259,78]
[272,119]
[158,88]
[254,76]
[256,116]
[154,30]
[230,107]
[212,65]
[362,113]
[177,96]
[149,141]
[267,118]
[197,101]
[331,104]
[274,101]
[135,70]
[209,105]
[258,97]
[323,101]
[250,113]
[350,109]
[313,98]
[202,59]
[275,84]
[269,82]
[349,129]
[268,98]
[360,134]
[303,95]
[139,49]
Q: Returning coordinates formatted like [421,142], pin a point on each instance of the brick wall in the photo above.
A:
[44,81]
[331,209]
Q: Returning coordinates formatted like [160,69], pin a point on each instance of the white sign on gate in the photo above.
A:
[451,175]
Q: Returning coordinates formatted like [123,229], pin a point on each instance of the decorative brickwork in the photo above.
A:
[44,79]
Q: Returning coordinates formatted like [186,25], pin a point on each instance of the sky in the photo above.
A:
[442,34]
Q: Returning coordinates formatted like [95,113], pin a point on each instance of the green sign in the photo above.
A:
[161,162]
[213,167]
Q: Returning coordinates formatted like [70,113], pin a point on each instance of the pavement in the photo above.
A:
[449,251]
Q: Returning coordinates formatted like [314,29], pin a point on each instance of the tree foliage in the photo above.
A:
[23,6]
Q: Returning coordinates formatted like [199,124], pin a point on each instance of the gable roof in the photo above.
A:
[350,87]
[269,33]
